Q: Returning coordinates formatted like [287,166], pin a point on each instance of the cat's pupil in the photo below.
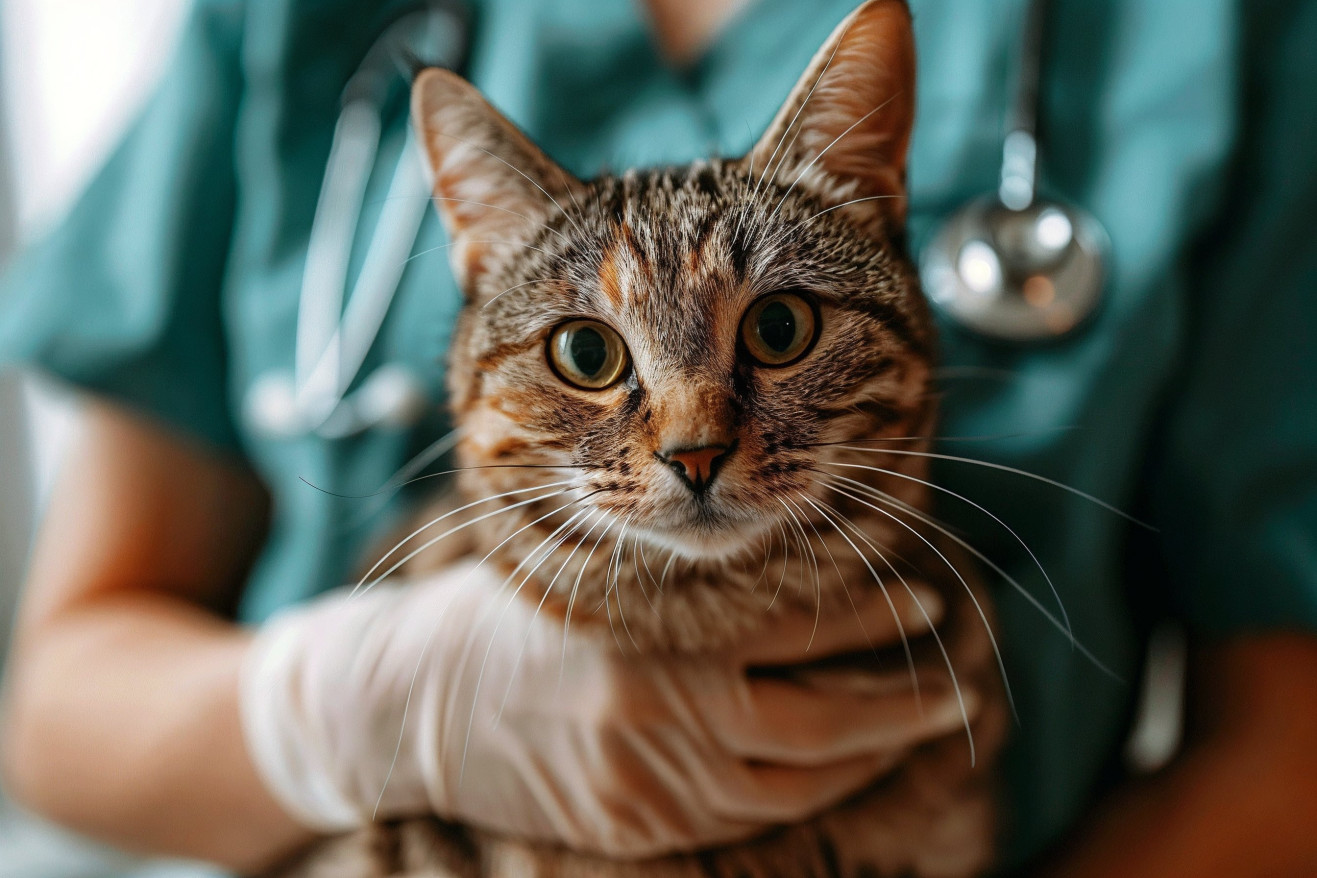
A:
[589,351]
[777,326]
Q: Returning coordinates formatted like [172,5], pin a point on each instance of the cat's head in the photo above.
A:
[682,345]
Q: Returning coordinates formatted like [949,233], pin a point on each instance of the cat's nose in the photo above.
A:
[696,466]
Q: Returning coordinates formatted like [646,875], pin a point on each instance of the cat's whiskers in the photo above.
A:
[841,577]
[617,592]
[833,516]
[818,580]
[638,555]
[1069,630]
[983,437]
[540,224]
[495,298]
[438,475]
[978,607]
[1004,468]
[526,176]
[548,590]
[786,554]
[480,675]
[663,577]
[610,583]
[445,246]
[361,587]
[932,522]
[824,151]
[937,639]
[846,204]
[403,475]
[570,189]
[571,597]
[466,583]
[808,561]
[657,583]
[766,549]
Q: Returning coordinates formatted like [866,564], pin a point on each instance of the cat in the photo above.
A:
[703,348]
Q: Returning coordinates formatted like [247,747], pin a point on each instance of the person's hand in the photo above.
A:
[445,696]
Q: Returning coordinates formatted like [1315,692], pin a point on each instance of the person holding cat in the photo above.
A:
[1191,389]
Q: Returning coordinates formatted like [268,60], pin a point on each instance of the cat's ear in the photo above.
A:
[844,131]
[491,183]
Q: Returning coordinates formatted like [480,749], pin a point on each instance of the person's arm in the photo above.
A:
[121,718]
[1241,800]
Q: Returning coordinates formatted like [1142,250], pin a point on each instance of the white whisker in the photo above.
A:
[996,568]
[555,201]
[819,507]
[848,204]
[548,590]
[825,149]
[361,587]
[480,675]
[937,639]
[571,597]
[429,638]
[1004,468]
[983,616]
[1039,564]
[539,224]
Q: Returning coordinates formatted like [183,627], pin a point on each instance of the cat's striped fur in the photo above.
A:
[671,259]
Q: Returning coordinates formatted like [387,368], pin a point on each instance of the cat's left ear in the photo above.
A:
[844,130]
[491,183]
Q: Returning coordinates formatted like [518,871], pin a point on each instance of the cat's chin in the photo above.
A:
[701,542]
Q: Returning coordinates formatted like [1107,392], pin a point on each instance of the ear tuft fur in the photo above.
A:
[844,131]
[491,183]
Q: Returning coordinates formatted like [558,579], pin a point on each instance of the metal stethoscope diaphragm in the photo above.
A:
[1014,266]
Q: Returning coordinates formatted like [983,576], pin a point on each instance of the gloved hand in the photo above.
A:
[444,696]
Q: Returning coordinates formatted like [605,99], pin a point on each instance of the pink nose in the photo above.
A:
[697,466]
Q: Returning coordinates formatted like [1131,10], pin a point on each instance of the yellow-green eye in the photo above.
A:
[588,354]
[779,328]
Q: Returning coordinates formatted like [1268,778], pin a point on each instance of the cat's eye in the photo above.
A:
[779,328]
[588,354]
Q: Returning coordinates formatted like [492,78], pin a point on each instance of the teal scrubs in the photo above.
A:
[1186,126]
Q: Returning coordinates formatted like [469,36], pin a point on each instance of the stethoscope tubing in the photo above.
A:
[332,341]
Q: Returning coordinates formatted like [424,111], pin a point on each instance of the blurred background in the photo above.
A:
[72,74]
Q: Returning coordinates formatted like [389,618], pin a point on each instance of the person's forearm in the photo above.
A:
[123,724]
[1242,801]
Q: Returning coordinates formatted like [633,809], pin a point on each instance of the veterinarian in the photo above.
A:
[203,498]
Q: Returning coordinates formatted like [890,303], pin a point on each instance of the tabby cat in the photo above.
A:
[699,346]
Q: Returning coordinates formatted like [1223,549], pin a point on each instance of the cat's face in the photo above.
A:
[684,346]
[681,349]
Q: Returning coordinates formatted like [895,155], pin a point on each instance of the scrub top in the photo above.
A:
[1185,126]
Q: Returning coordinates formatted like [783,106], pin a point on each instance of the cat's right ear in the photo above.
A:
[491,183]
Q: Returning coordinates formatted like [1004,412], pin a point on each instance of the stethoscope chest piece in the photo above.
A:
[1015,266]
[1023,275]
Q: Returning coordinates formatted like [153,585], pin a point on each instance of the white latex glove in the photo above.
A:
[508,729]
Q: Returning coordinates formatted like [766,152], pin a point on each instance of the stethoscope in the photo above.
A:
[332,342]
[1011,265]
